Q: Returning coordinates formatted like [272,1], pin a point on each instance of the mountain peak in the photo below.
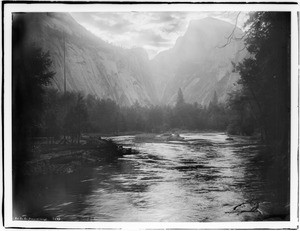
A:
[196,65]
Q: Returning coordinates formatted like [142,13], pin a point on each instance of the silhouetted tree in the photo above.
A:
[180,100]
[30,74]
[242,119]
[76,119]
[52,129]
[265,80]
[265,75]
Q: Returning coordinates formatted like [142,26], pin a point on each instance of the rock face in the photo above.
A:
[195,64]
[92,66]
[198,64]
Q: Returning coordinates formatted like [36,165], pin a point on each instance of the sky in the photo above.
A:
[153,31]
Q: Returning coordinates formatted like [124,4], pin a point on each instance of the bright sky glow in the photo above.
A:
[153,31]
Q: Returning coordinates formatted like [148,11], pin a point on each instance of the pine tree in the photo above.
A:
[265,81]
[31,73]
[180,100]
[214,100]
[265,75]
[76,119]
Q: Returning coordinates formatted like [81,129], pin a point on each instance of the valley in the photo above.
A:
[197,63]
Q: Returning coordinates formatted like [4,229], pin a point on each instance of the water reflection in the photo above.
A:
[198,180]
[54,198]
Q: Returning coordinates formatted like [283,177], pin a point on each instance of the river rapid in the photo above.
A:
[200,179]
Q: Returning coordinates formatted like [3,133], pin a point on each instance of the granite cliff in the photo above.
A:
[198,64]
[92,66]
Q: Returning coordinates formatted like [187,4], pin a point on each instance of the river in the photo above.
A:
[202,178]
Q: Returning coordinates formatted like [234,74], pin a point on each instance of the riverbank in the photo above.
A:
[69,158]
[92,150]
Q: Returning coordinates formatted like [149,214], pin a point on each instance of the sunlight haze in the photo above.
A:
[153,31]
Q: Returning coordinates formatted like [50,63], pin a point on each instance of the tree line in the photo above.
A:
[72,113]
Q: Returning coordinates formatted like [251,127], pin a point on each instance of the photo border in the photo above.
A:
[64,6]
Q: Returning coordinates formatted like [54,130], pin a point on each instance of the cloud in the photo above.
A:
[162,17]
[154,31]
[110,22]
[113,26]
[172,27]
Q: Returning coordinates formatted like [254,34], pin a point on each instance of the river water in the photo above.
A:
[199,179]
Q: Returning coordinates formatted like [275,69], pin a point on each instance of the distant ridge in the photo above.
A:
[197,65]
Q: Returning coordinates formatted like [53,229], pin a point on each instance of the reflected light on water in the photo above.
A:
[199,179]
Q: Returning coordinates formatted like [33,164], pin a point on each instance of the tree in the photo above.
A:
[155,118]
[265,80]
[52,129]
[76,119]
[180,100]
[265,75]
[242,120]
[51,122]
[31,73]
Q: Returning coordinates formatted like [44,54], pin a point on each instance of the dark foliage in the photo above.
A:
[30,75]
[263,102]
[73,114]
[76,119]
[265,75]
